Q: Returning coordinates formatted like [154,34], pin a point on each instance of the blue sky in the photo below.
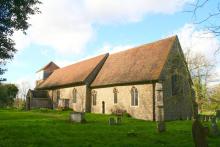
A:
[69,30]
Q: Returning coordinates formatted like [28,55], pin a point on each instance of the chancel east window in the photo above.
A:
[94,95]
[176,85]
[74,93]
[115,91]
[134,96]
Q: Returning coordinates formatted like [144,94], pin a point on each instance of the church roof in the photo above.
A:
[140,64]
[50,67]
[73,74]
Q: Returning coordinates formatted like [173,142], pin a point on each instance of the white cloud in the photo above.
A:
[25,83]
[108,11]
[63,63]
[28,79]
[201,42]
[66,25]
[21,40]
[113,49]
[60,26]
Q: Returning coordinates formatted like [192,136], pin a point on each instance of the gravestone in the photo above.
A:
[206,118]
[188,117]
[199,133]
[111,121]
[161,127]
[202,118]
[118,120]
[214,127]
[77,117]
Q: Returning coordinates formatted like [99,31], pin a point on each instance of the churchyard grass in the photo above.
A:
[51,128]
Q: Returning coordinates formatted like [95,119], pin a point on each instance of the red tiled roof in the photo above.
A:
[143,63]
[72,74]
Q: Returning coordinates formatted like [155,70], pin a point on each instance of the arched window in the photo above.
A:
[176,84]
[74,94]
[115,91]
[94,94]
[134,96]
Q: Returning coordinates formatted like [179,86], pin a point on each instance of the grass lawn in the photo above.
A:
[52,128]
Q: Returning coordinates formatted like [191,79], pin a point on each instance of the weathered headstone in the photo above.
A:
[161,127]
[210,118]
[199,133]
[111,121]
[77,117]
[188,117]
[118,120]
[214,127]
[206,118]
[202,118]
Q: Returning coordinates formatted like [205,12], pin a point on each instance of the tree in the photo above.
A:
[23,89]
[211,17]
[14,15]
[8,93]
[201,70]
[213,102]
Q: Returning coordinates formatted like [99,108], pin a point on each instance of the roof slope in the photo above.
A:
[49,67]
[73,74]
[139,64]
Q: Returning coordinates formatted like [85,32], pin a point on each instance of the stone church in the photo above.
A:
[137,80]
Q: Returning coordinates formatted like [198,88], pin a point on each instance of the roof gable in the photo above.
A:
[139,64]
[73,74]
[51,66]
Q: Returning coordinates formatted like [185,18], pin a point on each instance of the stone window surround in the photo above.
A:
[134,97]
[115,96]
[94,97]
[177,78]
[74,95]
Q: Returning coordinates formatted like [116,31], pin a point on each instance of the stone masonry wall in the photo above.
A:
[180,105]
[67,93]
[40,103]
[144,110]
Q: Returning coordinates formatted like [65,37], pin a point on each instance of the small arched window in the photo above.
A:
[94,95]
[74,94]
[134,96]
[115,91]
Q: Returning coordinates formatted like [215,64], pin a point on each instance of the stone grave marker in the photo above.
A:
[214,127]
[118,120]
[77,117]
[199,133]
[111,121]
